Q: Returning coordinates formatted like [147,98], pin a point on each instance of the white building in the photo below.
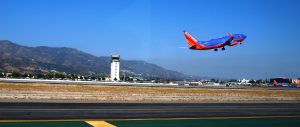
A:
[115,68]
[244,81]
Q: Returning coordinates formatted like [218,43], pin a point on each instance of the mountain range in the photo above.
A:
[42,59]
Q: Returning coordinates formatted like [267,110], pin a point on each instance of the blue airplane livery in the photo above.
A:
[230,40]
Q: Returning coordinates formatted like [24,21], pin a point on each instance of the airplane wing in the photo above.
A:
[233,43]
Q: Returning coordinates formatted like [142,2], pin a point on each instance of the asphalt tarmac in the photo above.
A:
[110,111]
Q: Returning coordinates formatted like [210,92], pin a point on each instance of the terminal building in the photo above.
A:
[115,67]
[296,81]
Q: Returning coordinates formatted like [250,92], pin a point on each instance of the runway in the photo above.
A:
[110,83]
[117,111]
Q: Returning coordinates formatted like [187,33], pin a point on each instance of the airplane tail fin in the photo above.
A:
[275,83]
[190,39]
[230,35]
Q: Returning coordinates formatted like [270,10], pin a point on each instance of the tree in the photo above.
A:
[40,76]
[252,81]
[259,81]
[213,80]
[49,76]
[92,77]
[73,76]
[16,74]
[233,80]
[59,76]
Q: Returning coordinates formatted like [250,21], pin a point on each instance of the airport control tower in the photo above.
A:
[115,67]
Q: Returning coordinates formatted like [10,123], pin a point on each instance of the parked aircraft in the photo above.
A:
[276,84]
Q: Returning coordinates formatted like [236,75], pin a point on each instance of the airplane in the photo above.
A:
[230,40]
[276,84]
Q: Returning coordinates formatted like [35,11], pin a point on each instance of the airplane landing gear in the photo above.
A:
[223,48]
[216,49]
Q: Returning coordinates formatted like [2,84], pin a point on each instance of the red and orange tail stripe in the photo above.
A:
[190,40]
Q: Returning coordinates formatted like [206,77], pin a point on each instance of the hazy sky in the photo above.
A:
[152,31]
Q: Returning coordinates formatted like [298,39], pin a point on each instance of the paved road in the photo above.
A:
[43,111]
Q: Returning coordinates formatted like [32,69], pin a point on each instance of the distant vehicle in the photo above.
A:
[246,84]
[230,40]
[195,83]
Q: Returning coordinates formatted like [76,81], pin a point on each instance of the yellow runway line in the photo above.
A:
[100,124]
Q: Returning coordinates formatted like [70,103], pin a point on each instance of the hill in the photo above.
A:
[42,59]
